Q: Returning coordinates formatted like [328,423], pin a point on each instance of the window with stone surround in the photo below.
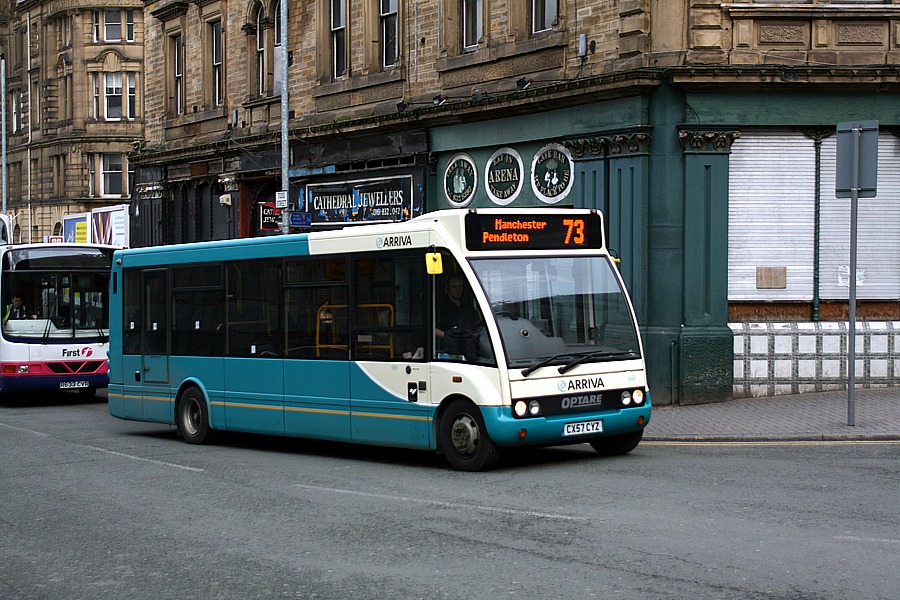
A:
[108,25]
[63,32]
[216,67]
[59,175]
[338,21]
[114,96]
[472,23]
[15,111]
[176,74]
[112,175]
[389,38]
[544,15]
[266,37]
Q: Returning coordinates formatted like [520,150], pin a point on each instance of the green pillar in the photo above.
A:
[689,347]
[707,349]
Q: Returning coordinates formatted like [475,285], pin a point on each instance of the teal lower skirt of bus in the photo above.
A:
[507,431]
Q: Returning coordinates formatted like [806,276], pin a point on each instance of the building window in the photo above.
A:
[261,51]
[268,41]
[544,14]
[113,95]
[472,23]
[112,184]
[109,22]
[108,99]
[92,176]
[63,32]
[129,25]
[215,52]
[338,39]
[34,113]
[112,25]
[132,95]
[65,97]
[59,175]
[15,112]
[389,38]
[95,80]
[176,54]
[276,58]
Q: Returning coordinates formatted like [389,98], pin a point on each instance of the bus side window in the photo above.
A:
[254,319]
[389,316]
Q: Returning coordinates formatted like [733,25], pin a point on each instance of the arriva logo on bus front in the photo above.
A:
[585,383]
[77,353]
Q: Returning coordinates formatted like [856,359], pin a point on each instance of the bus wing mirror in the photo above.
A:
[433,264]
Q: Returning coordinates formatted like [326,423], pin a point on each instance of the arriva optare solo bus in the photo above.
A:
[466,332]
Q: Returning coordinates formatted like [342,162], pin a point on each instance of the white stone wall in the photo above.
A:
[772,359]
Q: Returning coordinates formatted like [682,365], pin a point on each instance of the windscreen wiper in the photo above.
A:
[546,361]
[591,355]
[91,315]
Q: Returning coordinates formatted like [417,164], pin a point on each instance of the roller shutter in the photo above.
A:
[771,212]
[878,230]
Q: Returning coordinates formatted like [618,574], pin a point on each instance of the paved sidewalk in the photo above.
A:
[815,416]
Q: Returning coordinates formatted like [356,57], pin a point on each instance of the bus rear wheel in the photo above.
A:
[616,445]
[192,417]
[464,439]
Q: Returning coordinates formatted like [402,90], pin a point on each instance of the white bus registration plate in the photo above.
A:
[69,385]
[583,427]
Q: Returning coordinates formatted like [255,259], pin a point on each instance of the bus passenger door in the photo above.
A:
[155,393]
[389,339]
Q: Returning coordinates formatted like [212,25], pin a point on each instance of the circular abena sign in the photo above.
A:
[503,176]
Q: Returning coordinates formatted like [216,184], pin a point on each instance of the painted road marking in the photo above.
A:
[494,509]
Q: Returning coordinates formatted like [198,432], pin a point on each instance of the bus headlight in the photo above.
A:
[626,398]
[534,407]
[638,396]
[520,408]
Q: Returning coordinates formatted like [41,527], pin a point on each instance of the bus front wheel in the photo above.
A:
[464,439]
[616,445]
[192,418]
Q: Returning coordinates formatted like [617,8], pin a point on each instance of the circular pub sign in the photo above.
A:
[460,178]
[552,173]
[503,176]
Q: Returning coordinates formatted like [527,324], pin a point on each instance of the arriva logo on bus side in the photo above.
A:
[82,353]
[394,241]
[585,383]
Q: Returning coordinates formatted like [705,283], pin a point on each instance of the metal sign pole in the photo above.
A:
[851,343]
[856,177]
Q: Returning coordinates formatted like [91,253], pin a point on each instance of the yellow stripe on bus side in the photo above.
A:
[133,397]
[319,411]
[383,416]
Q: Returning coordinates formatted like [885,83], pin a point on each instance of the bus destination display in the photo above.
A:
[540,232]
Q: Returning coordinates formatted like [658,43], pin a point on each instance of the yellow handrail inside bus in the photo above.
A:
[328,337]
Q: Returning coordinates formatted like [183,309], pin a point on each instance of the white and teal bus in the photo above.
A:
[339,335]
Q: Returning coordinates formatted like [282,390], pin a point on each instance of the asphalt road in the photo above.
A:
[92,507]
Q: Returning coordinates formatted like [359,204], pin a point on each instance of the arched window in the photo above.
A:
[261,50]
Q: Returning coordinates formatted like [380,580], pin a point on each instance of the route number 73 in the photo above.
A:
[574,231]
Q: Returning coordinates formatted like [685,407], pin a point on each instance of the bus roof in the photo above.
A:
[449,224]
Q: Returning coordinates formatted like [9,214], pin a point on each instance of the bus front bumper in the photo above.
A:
[507,431]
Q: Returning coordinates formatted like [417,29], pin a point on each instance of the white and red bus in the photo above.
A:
[55,317]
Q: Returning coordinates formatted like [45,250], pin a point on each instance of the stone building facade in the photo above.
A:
[74,108]
[705,131]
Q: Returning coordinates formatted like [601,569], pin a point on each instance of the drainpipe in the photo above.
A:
[816,227]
